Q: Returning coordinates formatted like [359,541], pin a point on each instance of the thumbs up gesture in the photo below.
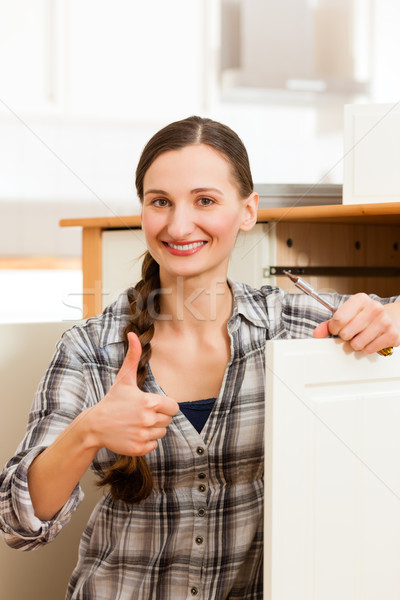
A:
[127,420]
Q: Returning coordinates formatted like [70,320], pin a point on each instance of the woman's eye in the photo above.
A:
[160,202]
[206,201]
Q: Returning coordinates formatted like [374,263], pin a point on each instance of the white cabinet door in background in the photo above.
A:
[122,252]
[371,153]
[30,49]
[135,59]
[332,486]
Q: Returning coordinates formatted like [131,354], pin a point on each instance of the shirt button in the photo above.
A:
[202,488]
[200,450]
[199,540]
[201,512]
[202,476]
[194,591]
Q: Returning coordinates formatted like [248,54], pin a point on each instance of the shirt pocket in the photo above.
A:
[99,379]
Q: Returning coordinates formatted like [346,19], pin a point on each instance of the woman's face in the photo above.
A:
[192,212]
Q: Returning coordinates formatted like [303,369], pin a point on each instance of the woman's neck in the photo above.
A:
[195,302]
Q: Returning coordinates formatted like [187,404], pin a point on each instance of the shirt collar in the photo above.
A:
[113,321]
[249,303]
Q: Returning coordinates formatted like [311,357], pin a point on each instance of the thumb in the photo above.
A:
[128,370]
[322,330]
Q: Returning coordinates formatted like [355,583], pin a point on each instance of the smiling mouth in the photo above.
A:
[183,246]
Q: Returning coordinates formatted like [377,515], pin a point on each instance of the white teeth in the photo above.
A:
[185,246]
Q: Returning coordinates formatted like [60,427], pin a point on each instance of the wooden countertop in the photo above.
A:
[122,222]
[42,262]
[388,212]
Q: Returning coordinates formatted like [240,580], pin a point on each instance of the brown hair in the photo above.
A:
[130,477]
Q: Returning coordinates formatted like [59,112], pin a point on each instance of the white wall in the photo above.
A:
[111,77]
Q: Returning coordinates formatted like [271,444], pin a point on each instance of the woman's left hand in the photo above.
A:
[365,323]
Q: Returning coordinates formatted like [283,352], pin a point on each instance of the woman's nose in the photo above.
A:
[181,224]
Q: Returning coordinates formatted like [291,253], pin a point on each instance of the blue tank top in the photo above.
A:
[198,411]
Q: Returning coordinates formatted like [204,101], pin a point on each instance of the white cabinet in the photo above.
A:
[121,261]
[29,55]
[135,59]
[371,153]
[126,60]
[332,495]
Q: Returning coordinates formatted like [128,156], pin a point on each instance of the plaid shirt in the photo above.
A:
[200,533]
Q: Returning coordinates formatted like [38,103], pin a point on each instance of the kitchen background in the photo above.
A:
[84,84]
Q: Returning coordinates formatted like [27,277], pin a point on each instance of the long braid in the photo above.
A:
[129,477]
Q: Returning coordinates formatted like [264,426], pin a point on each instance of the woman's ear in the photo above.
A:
[250,212]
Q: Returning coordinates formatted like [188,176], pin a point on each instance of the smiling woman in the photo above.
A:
[163,393]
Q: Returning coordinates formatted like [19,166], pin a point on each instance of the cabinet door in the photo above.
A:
[332,486]
[371,137]
[122,252]
[144,59]
[29,53]
[252,254]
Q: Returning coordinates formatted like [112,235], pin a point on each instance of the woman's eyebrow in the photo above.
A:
[194,191]
[206,189]
[154,191]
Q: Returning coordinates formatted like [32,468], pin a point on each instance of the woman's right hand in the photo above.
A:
[127,420]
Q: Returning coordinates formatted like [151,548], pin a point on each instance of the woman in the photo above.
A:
[163,394]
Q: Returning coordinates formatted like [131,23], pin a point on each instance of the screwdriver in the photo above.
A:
[307,289]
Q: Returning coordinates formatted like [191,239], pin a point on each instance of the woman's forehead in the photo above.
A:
[198,165]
